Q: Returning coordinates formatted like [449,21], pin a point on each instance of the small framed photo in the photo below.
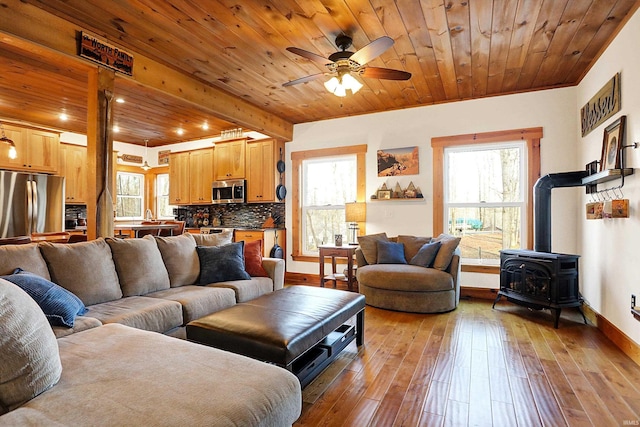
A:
[384,194]
[612,145]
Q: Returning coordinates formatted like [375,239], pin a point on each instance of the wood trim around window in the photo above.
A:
[531,136]
[296,179]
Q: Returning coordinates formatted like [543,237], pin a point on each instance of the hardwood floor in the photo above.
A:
[480,367]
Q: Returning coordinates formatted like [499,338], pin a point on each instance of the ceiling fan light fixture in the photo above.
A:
[340,85]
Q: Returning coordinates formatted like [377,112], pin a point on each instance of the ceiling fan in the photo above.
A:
[344,65]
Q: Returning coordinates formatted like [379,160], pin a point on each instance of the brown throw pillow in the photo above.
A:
[253,259]
[369,246]
[412,245]
[448,245]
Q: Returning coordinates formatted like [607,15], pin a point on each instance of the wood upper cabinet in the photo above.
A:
[73,166]
[262,173]
[38,150]
[179,178]
[230,159]
[201,173]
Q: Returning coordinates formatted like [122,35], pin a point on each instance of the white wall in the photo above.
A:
[609,247]
[553,110]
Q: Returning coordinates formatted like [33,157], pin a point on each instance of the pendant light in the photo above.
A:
[145,166]
[12,146]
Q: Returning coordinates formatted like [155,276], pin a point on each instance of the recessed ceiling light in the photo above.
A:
[116,129]
[179,131]
[205,126]
[120,100]
[63,117]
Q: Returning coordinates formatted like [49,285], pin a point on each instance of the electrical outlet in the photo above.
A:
[633,301]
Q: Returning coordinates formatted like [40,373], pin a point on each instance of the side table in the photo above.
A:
[346,251]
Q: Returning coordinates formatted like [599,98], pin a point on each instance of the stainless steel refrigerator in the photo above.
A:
[30,203]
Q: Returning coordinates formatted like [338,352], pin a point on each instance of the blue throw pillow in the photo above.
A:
[222,263]
[426,255]
[391,253]
[58,304]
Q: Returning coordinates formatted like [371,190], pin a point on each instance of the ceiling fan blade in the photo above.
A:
[304,79]
[372,50]
[384,73]
[309,55]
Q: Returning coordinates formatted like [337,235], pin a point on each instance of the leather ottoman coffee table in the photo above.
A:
[301,328]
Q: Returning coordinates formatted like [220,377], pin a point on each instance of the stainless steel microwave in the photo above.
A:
[232,191]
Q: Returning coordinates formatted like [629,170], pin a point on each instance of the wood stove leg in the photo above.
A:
[496,300]
[555,324]
[583,316]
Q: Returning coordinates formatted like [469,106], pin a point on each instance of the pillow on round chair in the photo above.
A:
[426,255]
[30,357]
[391,253]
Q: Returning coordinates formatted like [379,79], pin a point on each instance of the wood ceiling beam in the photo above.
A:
[20,20]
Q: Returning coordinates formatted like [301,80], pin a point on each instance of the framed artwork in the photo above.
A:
[612,145]
[384,194]
[398,161]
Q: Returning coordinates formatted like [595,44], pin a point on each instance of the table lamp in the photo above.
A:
[354,213]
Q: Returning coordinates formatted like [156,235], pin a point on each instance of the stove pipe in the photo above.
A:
[542,204]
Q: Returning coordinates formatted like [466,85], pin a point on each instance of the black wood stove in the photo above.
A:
[540,278]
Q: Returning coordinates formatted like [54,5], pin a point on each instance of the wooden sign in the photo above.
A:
[602,106]
[131,158]
[105,54]
[163,157]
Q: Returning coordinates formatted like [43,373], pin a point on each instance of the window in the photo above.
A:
[323,181]
[163,208]
[327,184]
[129,195]
[482,186]
[484,199]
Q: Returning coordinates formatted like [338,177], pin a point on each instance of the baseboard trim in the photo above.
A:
[619,338]
[301,279]
[478,293]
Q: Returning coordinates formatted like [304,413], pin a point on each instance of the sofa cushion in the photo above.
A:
[116,376]
[369,246]
[26,257]
[198,301]
[412,244]
[221,263]
[216,239]
[139,265]
[253,259]
[391,253]
[246,290]
[85,268]
[82,323]
[180,259]
[410,278]
[448,245]
[426,255]
[28,348]
[150,314]
[58,304]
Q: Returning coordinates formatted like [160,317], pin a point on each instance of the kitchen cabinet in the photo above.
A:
[179,178]
[73,166]
[262,172]
[269,237]
[230,159]
[201,175]
[38,150]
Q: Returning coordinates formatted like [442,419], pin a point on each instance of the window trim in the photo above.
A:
[142,197]
[296,187]
[531,136]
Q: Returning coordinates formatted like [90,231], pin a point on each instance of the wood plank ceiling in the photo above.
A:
[455,50]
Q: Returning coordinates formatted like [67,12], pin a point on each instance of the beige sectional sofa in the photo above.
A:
[118,364]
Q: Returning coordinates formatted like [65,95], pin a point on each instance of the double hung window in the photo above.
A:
[129,195]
